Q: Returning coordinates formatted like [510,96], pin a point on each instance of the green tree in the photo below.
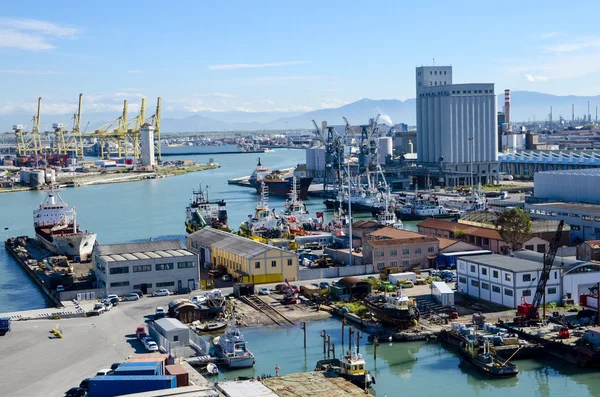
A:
[459,234]
[514,226]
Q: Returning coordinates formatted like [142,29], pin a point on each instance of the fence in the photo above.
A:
[194,346]
[332,272]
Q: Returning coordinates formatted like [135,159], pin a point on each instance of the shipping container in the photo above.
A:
[395,277]
[442,293]
[152,358]
[177,370]
[112,385]
[140,368]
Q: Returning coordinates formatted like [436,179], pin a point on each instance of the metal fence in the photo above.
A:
[193,347]
[332,272]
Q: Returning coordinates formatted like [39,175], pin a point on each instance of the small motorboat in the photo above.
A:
[211,326]
[212,369]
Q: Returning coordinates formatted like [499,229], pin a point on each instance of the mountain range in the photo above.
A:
[525,106]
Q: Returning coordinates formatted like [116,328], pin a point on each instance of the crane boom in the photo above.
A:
[548,263]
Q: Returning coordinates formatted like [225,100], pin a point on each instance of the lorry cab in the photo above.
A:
[4,325]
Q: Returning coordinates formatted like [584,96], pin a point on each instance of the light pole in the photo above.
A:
[471,166]
[349,216]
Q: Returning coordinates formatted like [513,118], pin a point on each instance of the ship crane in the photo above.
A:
[528,312]
[29,142]
[368,158]
[332,143]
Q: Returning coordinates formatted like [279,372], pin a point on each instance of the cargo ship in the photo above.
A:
[280,183]
[56,229]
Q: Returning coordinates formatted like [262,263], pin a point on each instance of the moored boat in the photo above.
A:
[281,183]
[231,346]
[400,311]
[352,367]
[478,354]
[56,229]
[201,213]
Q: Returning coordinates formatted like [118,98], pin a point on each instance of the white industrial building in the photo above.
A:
[505,280]
[145,266]
[570,195]
[448,116]
[147,145]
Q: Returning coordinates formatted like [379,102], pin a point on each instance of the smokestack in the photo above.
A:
[589,115]
[507,107]
[573,113]
[550,116]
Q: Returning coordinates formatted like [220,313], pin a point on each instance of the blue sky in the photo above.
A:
[284,55]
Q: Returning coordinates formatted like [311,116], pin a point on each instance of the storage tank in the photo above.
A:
[50,176]
[37,178]
[25,177]
[385,148]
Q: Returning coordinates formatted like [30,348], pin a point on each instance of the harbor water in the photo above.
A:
[410,369]
[125,212]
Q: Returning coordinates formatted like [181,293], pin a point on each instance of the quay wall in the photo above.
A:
[40,283]
[81,295]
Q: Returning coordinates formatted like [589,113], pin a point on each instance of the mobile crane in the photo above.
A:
[527,313]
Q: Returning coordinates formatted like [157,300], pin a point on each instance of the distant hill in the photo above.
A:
[525,105]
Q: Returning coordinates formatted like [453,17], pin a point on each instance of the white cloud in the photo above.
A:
[32,34]
[213,95]
[29,72]
[265,79]
[550,35]
[254,65]
[532,78]
[574,45]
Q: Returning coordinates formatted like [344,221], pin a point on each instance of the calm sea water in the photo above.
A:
[411,369]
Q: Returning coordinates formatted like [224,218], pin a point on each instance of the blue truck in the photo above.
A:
[4,325]
[113,385]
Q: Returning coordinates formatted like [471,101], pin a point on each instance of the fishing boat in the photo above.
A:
[397,310]
[388,218]
[211,326]
[264,224]
[56,229]
[231,346]
[478,354]
[352,367]
[295,214]
[201,213]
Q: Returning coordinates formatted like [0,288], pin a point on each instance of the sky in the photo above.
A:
[283,56]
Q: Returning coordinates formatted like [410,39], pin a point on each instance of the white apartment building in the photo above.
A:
[457,124]
[505,280]
[146,266]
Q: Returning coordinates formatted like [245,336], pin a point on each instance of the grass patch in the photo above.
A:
[356,307]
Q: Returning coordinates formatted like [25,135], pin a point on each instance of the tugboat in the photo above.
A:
[231,346]
[264,224]
[56,229]
[389,218]
[477,353]
[351,367]
[296,215]
[399,311]
[201,213]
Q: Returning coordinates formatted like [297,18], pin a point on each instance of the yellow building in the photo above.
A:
[243,258]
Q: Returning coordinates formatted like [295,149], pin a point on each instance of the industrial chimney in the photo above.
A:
[507,107]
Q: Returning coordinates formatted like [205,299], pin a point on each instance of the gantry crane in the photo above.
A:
[334,153]
[528,312]
[29,143]
[69,142]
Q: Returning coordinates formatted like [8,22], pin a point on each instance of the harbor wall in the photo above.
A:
[331,272]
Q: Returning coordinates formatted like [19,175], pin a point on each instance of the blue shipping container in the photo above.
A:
[113,385]
[139,368]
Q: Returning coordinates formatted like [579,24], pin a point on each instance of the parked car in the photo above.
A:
[99,307]
[139,293]
[104,372]
[60,288]
[324,285]
[183,291]
[142,335]
[199,299]
[151,346]
[85,383]
[114,301]
[131,297]
[263,291]
[162,292]
[280,287]
[159,313]
[108,306]
[76,392]
[112,296]
[139,330]
[407,284]
[226,277]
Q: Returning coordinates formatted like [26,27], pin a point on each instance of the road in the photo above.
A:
[36,364]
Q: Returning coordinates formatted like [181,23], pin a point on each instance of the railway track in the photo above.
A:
[258,304]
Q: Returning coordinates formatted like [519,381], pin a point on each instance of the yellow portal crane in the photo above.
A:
[29,143]
[69,142]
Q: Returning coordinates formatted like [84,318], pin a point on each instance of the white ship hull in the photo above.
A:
[71,245]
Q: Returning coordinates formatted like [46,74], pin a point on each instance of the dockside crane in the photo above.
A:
[29,143]
[69,142]
[334,153]
[528,312]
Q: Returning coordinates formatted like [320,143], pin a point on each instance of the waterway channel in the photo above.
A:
[411,369]
[125,212]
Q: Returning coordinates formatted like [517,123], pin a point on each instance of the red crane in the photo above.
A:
[529,311]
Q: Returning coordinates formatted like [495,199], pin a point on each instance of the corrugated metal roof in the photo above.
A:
[170,324]
[128,248]
[246,388]
[510,263]
[232,243]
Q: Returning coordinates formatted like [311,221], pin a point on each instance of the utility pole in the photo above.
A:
[304,329]
[349,218]
[343,324]
[328,345]
[375,344]
[358,338]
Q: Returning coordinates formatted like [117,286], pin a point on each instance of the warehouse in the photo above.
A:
[526,163]
[243,258]
[145,266]
[505,280]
